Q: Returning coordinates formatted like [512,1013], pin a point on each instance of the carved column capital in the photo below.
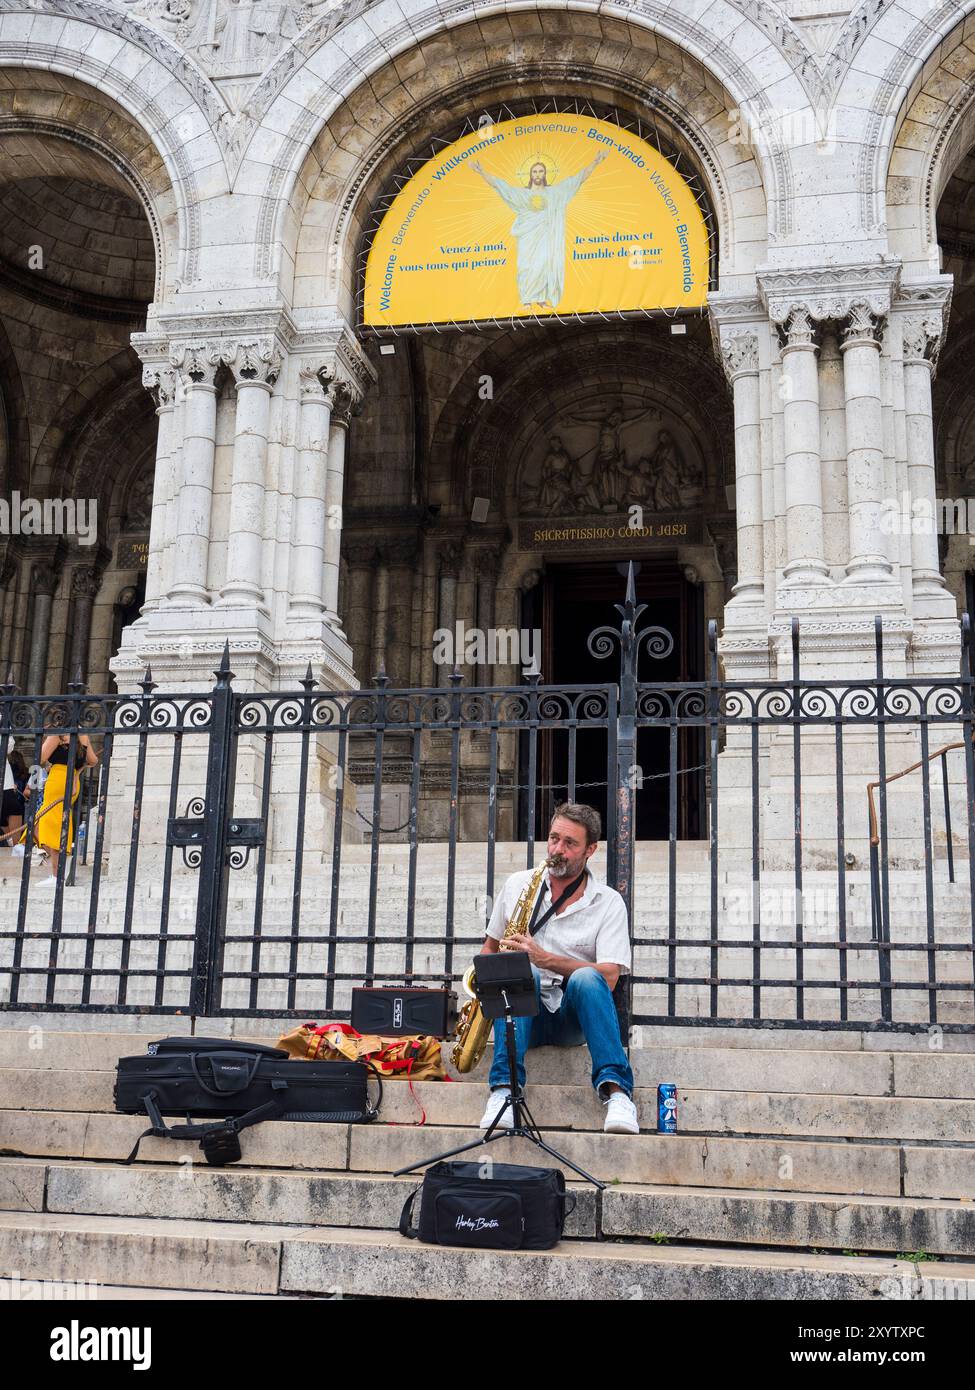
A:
[739,352]
[311,388]
[253,360]
[342,400]
[359,554]
[798,328]
[451,559]
[862,326]
[197,363]
[160,382]
[922,335]
[45,576]
[399,550]
[86,580]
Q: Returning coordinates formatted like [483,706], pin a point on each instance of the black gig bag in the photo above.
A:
[516,1208]
[242,1084]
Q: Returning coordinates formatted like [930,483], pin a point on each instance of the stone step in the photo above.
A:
[706,1111]
[142,1027]
[783,1164]
[18,1289]
[830,1072]
[254,1258]
[890,1225]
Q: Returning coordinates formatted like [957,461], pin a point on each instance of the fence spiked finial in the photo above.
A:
[380,678]
[9,686]
[223,673]
[308,680]
[630,584]
[147,685]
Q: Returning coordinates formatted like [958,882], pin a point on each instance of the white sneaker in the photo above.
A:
[38,858]
[621,1115]
[493,1108]
[18,851]
[49,882]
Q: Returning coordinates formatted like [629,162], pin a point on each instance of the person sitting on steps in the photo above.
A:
[577,956]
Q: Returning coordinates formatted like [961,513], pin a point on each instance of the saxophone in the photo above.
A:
[473,1029]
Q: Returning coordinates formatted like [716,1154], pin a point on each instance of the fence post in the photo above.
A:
[621,867]
[968,733]
[211,901]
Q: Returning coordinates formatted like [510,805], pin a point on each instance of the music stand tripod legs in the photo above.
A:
[523,1126]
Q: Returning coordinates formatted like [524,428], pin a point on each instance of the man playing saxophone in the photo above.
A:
[577,955]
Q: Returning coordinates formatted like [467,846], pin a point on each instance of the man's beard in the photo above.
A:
[558,865]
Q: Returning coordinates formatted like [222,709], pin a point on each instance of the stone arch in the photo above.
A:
[14,423]
[131,97]
[98,420]
[367,105]
[920,126]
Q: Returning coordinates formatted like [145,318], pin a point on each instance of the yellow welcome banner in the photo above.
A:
[534,217]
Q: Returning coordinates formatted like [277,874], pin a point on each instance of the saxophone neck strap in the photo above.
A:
[536,926]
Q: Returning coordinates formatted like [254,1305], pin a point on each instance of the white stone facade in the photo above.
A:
[258,140]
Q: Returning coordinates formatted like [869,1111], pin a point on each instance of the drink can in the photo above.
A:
[667,1108]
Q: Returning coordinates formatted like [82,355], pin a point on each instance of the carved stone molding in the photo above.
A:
[829,294]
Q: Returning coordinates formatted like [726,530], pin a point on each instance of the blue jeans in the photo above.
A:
[587,1014]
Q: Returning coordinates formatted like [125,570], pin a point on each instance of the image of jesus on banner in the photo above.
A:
[539,228]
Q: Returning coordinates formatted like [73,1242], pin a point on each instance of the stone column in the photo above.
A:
[44,581]
[8,583]
[864,446]
[922,341]
[86,580]
[400,556]
[197,364]
[450,561]
[308,537]
[740,350]
[341,401]
[160,382]
[360,557]
[255,366]
[486,563]
[380,613]
[805,562]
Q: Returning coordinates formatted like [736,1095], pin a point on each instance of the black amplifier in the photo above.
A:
[432,1012]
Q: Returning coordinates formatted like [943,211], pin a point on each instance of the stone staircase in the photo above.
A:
[805,1164]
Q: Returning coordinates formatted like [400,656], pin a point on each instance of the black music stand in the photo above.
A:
[505,988]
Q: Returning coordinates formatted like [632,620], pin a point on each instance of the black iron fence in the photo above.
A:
[258,854]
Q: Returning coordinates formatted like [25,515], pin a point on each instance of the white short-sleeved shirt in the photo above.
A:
[593,928]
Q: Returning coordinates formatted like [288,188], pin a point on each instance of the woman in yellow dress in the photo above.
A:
[47,822]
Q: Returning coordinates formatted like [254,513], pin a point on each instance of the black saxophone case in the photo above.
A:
[242,1084]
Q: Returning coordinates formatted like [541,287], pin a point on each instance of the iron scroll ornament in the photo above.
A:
[657,641]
